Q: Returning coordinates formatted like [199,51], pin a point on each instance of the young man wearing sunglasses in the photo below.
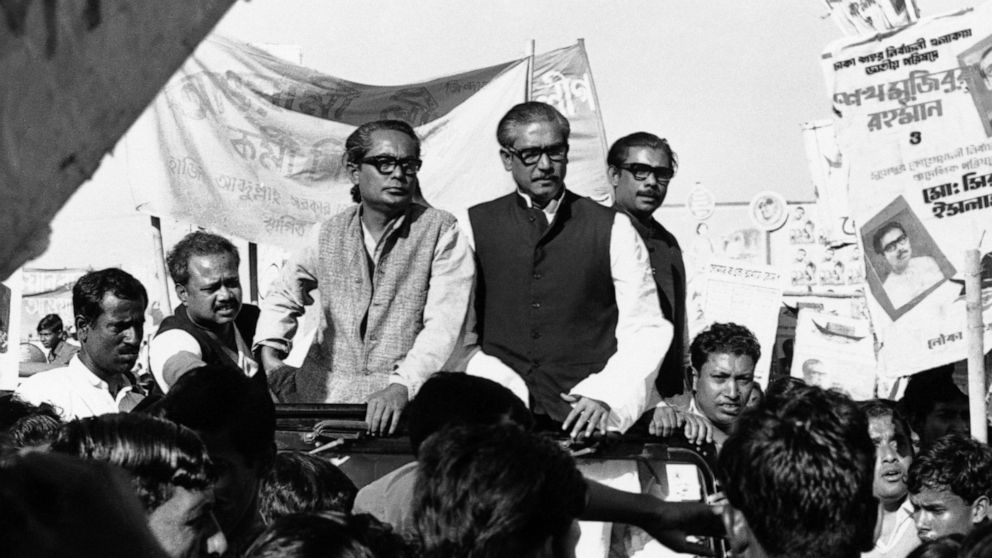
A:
[641,165]
[565,297]
[394,277]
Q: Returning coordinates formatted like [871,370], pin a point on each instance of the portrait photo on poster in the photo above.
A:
[904,263]
[977,64]
[768,210]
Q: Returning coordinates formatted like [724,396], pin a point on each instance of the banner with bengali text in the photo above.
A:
[914,126]
[250,145]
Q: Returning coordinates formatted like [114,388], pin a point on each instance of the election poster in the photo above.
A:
[747,294]
[835,352]
[914,126]
[10,334]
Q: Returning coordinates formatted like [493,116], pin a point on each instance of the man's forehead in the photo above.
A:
[740,365]
[538,133]
[212,264]
[929,495]
[648,156]
[891,235]
[117,308]
[392,142]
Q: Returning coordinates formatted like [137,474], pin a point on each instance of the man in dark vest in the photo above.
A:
[565,296]
[640,167]
[211,325]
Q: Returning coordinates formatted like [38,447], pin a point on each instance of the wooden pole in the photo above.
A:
[253,272]
[976,348]
[160,264]
[529,82]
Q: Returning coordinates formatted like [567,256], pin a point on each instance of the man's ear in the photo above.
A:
[82,328]
[694,377]
[182,292]
[980,509]
[353,172]
[613,173]
[507,159]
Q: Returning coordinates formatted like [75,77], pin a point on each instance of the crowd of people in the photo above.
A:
[547,319]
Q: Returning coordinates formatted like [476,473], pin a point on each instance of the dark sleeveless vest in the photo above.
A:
[545,297]
[212,353]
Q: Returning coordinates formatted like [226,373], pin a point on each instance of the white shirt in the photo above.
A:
[74,390]
[921,273]
[901,540]
[175,352]
[626,383]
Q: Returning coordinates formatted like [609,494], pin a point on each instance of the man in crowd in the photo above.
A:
[53,337]
[110,314]
[211,325]
[641,166]
[395,279]
[908,276]
[723,360]
[235,418]
[950,486]
[565,297]
[889,431]
[935,406]
[172,475]
[797,472]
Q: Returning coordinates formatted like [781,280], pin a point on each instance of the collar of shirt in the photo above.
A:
[372,247]
[549,210]
[84,374]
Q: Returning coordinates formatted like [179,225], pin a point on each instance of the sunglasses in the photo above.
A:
[386,164]
[641,172]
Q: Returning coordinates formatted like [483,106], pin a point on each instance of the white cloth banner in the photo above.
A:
[250,145]
[914,129]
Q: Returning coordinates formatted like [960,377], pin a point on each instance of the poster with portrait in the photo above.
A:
[919,164]
[835,352]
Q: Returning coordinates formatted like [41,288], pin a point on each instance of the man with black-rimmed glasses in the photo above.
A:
[641,166]
[395,279]
[565,299]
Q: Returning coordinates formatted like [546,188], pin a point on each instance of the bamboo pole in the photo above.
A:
[976,349]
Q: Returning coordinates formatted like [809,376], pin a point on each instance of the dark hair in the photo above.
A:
[23,424]
[160,455]
[360,142]
[56,506]
[877,408]
[620,148]
[947,546]
[89,290]
[876,240]
[489,491]
[805,456]
[727,338]
[327,535]
[955,463]
[528,113]
[978,542]
[449,398]
[302,483]
[981,70]
[222,401]
[197,243]
[51,322]
[785,386]
[924,390]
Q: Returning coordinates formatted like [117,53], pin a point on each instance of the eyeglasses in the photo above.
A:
[892,246]
[641,172]
[531,155]
[386,164]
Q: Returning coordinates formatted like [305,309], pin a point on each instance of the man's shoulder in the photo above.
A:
[432,215]
[49,382]
[493,205]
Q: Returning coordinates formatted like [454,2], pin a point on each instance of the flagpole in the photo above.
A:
[975,343]
[529,84]
[160,263]
[253,272]
[599,113]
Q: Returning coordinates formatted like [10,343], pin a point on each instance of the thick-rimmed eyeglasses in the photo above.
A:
[641,172]
[531,155]
[891,247]
[386,164]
